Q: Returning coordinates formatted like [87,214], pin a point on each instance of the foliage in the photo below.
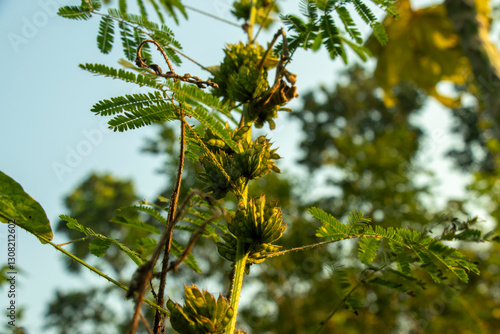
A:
[346,131]
[17,207]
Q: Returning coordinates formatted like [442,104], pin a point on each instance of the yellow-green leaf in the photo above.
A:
[19,207]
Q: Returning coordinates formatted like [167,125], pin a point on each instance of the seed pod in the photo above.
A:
[201,313]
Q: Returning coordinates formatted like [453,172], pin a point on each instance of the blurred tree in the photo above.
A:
[94,203]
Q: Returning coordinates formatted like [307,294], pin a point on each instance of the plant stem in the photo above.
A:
[158,324]
[253,14]
[239,271]
[98,272]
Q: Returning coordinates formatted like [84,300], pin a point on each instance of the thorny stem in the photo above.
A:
[251,23]
[155,69]
[97,271]
[171,218]
[239,271]
[144,273]
[139,48]
[77,240]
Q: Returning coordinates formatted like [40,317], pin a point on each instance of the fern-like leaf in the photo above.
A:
[212,123]
[157,10]
[126,103]
[360,50]
[74,13]
[331,229]
[380,33]
[128,42]
[194,95]
[105,35]
[100,246]
[126,76]
[364,12]
[135,224]
[170,5]
[367,249]
[142,8]
[134,119]
[149,210]
[349,24]
[331,37]
[162,34]
[177,249]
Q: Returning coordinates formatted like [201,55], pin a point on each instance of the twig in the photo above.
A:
[171,221]
[149,34]
[354,288]
[77,240]
[143,274]
[141,62]
[212,16]
[146,324]
[192,241]
[98,272]
[261,26]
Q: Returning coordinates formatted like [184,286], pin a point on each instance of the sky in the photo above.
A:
[51,141]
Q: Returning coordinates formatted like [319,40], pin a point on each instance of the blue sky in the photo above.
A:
[46,122]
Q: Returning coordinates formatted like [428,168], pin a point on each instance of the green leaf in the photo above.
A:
[349,24]
[367,249]
[388,284]
[74,13]
[170,5]
[19,207]
[364,12]
[105,34]
[126,76]
[91,4]
[149,210]
[332,229]
[98,247]
[135,224]
[177,249]
[380,33]
[75,225]
[128,41]
[331,37]
[134,119]
[212,123]
[126,103]
[195,95]
[402,259]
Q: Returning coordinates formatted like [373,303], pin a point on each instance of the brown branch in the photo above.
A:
[144,273]
[146,324]
[141,62]
[171,222]
[192,241]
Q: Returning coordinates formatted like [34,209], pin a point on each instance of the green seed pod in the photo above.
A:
[239,77]
[258,223]
[201,313]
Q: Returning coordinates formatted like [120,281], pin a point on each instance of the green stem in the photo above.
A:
[239,271]
[98,272]
[253,14]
